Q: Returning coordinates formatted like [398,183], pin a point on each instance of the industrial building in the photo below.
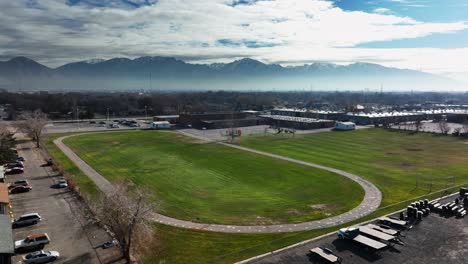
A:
[220,120]
[173,119]
[7,249]
[317,114]
[384,118]
[302,123]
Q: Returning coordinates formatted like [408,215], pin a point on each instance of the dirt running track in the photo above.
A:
[370,203]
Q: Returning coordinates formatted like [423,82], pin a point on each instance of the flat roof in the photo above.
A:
[375,233]
[389,231]
[369,242]
[4,193]
[167,116]
[296,119]
[161,122]
[6,235]
[384,114]
[297,110]
[330,257]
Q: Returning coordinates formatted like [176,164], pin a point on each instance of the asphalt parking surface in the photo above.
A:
[71,233]
[436,239]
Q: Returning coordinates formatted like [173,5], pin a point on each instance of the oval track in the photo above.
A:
[370,203]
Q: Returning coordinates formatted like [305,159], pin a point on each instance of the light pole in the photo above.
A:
[146,113]
[107,114]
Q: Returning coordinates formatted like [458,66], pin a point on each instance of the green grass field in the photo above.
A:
[217,184]
[180,246]
[402,165]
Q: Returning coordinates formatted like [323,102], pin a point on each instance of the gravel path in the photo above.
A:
[370,203]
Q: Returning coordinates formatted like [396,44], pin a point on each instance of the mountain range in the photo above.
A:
[167,73]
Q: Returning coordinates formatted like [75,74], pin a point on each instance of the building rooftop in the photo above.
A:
[298,110]
[383,114]
[6,235]
[4,193]
[296,119]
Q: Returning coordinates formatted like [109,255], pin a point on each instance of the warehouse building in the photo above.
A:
[173,119]
[316,114]
[302,123]
[6,233]
[220,120]
[384,118]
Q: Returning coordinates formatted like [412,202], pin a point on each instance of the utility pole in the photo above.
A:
[78,117]
[146,113]
[107,116]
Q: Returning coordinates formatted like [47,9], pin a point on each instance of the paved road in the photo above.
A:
[71,233]
[369,204]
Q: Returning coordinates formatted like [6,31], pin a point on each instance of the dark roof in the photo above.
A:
[6,235]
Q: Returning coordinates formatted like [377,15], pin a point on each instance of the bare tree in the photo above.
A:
[7,143]
[126,215]
[465,127]
[444,127]
[33,124]
[418,125]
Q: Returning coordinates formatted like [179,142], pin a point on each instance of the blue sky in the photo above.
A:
[426,35]
[421,10]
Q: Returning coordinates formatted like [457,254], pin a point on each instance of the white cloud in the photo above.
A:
[287,30]
[382,10]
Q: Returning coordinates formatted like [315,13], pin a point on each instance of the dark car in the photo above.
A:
[18,183]
[20,159]
[14,171]
[20,189]
[18,164]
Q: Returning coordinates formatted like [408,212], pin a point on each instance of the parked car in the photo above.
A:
[114,126]
[18,183]
[32,242]
[18,164]
[27,219]
[20,159]
[134,125]
[15,170]
[62,184]
[20,189]
[41,257]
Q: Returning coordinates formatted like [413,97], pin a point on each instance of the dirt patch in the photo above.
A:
[392,153]
[115,143]
[323,206]
[414,149]
[466,142]
[202,194]
[260,220]
[405,165]
[294,212]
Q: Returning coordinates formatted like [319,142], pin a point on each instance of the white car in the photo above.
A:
[40,257]
[62,184]
[32,241]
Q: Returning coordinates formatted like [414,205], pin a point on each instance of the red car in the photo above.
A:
[21,189]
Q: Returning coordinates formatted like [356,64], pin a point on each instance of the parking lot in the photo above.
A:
[76,238]
[436,239]
[68,127]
